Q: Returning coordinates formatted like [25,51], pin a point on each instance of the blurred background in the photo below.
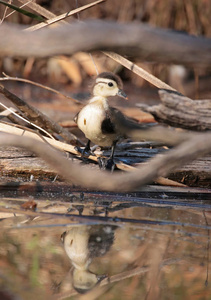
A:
[71,73]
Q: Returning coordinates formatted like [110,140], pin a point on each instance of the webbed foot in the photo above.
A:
[84,152]
[106,164]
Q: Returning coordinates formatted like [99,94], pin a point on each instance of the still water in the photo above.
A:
[105,251]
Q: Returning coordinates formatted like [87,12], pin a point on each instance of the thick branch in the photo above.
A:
[158,166]
[134,40]
[35,116]
[180,111]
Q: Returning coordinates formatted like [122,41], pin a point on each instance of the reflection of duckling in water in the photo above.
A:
[82,244]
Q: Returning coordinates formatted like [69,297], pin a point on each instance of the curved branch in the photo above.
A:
[158,166]
[132,39]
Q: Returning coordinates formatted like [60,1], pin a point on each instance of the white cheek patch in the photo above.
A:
[105,80]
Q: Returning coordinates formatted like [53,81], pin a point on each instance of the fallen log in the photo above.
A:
[180,111]
[20,165]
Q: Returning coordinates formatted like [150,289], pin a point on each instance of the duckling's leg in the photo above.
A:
[108,164]
[86,151]
[87,148]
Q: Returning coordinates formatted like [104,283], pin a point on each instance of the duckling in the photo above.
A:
[101,123]
[83,244]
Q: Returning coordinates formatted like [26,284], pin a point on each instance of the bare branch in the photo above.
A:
[139,71]
[5,12]
[132,39]
[36,117]
[39,85]
[25,120]
[39,9]
[7,112]
[20,7]
[22,131]
[63,16]
[158,166]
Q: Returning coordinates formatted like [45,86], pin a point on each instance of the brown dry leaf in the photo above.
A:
[54,70]
[111,64]
[71,69]
[85,60]
[31,205]
[138,115]
[28,67]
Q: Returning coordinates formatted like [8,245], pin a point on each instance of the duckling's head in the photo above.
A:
[108,84]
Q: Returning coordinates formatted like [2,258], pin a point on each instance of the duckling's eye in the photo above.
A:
[110,84]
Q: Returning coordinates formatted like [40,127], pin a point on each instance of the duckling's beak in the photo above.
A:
[122,94]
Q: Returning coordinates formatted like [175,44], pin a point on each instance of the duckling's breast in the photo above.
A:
[90,120]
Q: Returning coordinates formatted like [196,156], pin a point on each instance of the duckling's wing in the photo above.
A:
[122,123]
[110,122]
[107,125]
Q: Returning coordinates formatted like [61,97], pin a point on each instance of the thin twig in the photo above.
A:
[63,16]
[7,112]
[7,77]
[78,16]
[139,71]
[97,72]
[5,11]
[41,10]
[20,7]
[25,120]
[38,8]
[22,131]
